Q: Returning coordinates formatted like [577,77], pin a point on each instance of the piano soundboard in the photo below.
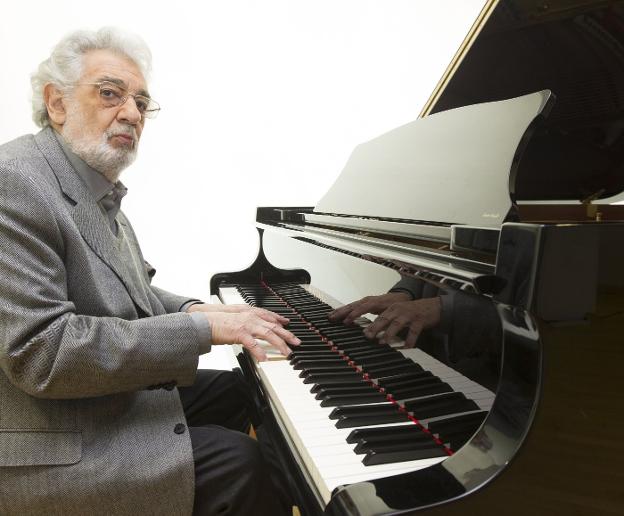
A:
[356,410]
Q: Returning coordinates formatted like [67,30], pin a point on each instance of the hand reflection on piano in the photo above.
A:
[367,305]
[414,316]
[243,324]
[397,312]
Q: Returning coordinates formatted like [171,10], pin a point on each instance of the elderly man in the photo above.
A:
[91,421]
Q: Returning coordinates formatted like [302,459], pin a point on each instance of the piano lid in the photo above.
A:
[435,168]
[575,48]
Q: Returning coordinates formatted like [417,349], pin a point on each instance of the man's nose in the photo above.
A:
[129,113]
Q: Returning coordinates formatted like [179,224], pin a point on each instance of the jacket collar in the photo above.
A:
[89,218]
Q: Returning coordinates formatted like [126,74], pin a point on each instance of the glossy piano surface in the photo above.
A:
[554,426]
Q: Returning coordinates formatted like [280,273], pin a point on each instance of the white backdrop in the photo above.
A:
[262,104]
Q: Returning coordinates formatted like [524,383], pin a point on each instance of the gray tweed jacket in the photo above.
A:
[87,362]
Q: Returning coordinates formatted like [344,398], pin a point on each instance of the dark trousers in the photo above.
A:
[231,473]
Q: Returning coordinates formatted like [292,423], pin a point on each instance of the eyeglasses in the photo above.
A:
[113,95]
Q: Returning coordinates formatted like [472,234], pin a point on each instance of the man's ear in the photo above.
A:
[55,103]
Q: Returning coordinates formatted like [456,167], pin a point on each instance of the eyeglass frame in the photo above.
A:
[152,113]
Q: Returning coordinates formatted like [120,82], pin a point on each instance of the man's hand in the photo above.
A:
[416,315]
[237,309]
[245,327]
[367,305]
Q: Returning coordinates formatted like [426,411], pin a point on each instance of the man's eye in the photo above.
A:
[108,93]
[141,104]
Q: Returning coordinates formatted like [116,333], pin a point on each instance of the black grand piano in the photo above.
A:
[502,197]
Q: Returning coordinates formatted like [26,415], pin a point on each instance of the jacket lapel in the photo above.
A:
[91,222]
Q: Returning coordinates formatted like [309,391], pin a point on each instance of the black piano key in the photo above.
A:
[344,336]
[336,368]
[355,421]
[350,347]
[312,355]
[302,303]
[341,337]
[382,433]
[421,391]
[440,405]
[317,387]
[315,311]
[369,351]
[311,338]
[304,330]
[342,389]
[350,351]
[366,410]
[391,381]
[322,378]
[365,415]
[352,340]
[310,363]
[407,380]
[308,336]
[413,382]
[281,310]
[335,400]
[458,423]
[382,360]
[317,343]
[397,442]
[385,457]
[403,367]
[327,324]
[322,318]
[313,350]
[310,346]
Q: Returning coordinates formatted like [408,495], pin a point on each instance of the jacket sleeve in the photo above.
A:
[46,348]
[172,302]
[416,287]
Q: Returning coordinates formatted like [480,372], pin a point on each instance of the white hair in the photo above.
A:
[64,66]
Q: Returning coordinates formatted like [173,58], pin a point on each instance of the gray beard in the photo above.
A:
[99,155]
[102,156]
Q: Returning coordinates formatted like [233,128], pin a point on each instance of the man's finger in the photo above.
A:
[358,311]
[269,316]
[270,335]
[393,328]
[340,313]
[412,335]
[288,336]
[254,348]
[378,325]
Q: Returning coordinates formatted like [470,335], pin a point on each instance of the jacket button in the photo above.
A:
[169,386]
[179,428]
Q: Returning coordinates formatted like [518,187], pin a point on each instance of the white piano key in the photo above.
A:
[309,427]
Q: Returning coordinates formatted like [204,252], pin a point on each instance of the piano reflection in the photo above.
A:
[504,199]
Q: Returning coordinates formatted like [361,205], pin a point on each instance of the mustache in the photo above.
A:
[123,131]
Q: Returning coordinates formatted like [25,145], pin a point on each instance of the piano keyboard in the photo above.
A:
[356,410]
